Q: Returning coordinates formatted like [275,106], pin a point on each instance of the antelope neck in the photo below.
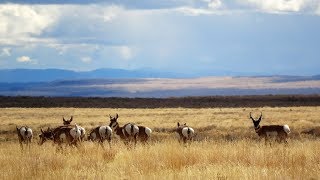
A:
[257,128]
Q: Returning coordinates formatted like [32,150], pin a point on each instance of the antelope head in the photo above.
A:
[113,122]
[181,125]
[256,122]
[67,122]
[45,135]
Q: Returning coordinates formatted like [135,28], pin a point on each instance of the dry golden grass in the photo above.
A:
[226,146]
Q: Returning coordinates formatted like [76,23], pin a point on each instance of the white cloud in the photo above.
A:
[24,59]
[5,52]
[26,20]
[275,6]
[86,59]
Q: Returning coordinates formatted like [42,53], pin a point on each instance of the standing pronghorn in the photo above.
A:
[279,132]
[127,132]
[24,135]
[100,134]
[185,132]
[68,123]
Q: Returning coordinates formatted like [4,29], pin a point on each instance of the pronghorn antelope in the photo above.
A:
[127,132]
[24,135]
[279,132]
[185,132]
[100,134]
[144,133]
[45,135]
[69,134]
[68,123]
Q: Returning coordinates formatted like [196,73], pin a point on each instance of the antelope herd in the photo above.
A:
[130,133]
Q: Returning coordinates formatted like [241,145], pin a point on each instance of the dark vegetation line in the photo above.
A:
[187,102]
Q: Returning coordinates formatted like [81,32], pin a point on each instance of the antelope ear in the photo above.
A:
[185,124]
[117,116]
[178,124]
[17,128]
[63,119]
[110,116]
[41,130]
[71,119]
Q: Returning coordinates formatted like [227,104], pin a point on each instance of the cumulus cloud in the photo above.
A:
[24,21]
[5,52]
[24,59]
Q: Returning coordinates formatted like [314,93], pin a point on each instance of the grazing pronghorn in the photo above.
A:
[144,133]
[279,132]
[69,134]
[68,123]
[45,135]
[100,134]
[24,135]
[127,132]
[185,132]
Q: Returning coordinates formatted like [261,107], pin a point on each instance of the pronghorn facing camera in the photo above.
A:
[24,135]
[185,132]
[279,132]
[100,134]
[127,132]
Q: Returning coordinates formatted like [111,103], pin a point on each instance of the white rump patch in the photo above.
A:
[185,132]
[148,131]
[105,131]
[62,137]
[286,129]
[25,135]
[128,129]
[75,132]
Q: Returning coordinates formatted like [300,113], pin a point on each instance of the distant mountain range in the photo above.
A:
[144,83]
[47,75]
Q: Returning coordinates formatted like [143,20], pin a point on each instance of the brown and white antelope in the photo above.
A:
[185,132]
[100,134]
[69,134]
[127,132]
[279,132]
[68,123]
[24,135]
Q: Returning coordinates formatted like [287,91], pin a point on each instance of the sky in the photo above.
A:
[198,36]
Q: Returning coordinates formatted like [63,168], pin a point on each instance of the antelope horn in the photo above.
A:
[260,117]
[251,116]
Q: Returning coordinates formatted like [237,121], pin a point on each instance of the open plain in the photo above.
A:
[225,147]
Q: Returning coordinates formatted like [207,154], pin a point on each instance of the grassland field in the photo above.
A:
[225,147]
